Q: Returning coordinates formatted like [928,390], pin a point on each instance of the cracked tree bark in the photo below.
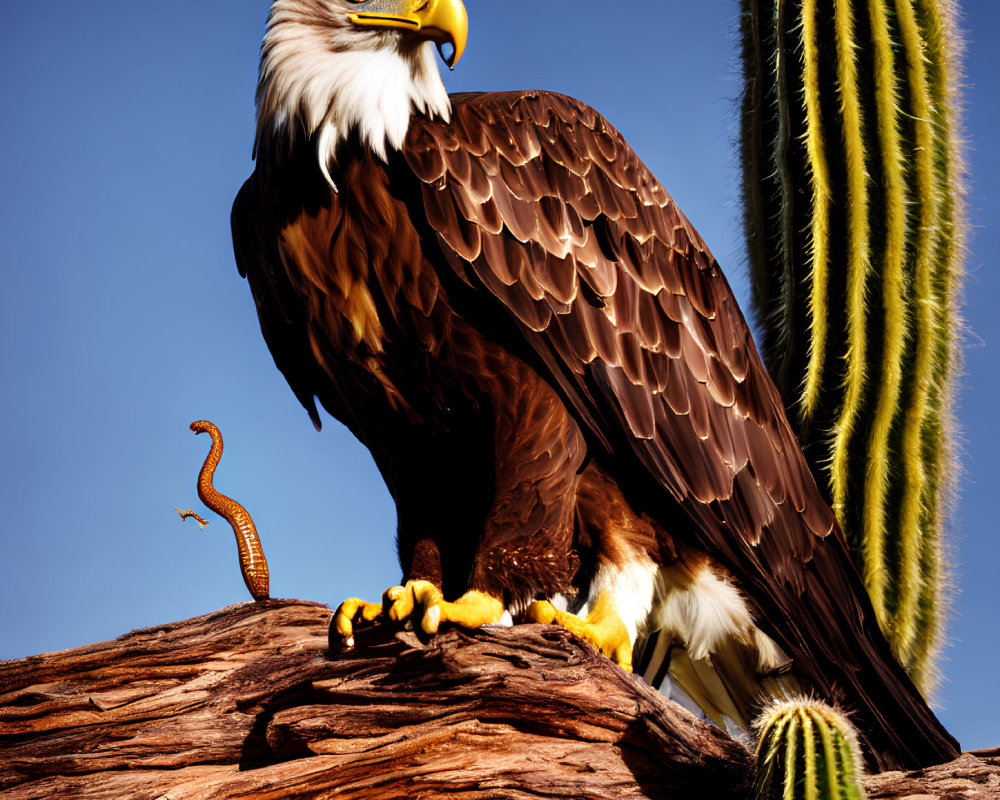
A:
[247,702]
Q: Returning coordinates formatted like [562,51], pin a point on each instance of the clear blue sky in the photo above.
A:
[126,133]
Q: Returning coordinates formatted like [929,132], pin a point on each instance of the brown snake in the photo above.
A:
[253,565]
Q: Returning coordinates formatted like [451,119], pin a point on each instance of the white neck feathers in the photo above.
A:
[320,75]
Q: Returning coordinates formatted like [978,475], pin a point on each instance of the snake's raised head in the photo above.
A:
[204,426]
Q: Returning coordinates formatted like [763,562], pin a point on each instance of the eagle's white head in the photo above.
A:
[330,67]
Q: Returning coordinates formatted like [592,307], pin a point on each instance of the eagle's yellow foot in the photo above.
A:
[423,603]
[602,628]
[350,613]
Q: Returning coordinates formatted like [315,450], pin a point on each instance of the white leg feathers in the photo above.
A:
[694,635]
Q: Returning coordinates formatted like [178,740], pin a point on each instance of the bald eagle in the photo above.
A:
[496,296]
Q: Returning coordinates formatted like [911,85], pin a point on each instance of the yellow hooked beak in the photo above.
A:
[440,21]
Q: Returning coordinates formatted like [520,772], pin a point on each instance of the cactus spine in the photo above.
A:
[854,219]
[807,751]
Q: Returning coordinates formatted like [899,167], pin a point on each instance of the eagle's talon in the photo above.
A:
[602,628]
[472,610]
[432,620]
[399,602]
[418,602]
[403,600]
[541,612]
[351,612]
[392,594]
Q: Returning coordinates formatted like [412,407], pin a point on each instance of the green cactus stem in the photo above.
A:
[806,750]
[855,229]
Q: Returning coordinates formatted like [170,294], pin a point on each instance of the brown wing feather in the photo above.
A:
[578,208]
[630,317]
[278,307]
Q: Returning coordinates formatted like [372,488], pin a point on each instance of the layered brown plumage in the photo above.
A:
[551,371]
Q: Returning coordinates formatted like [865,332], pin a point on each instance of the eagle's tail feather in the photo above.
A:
[702,647]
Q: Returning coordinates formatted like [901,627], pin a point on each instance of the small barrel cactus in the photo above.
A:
[807,751]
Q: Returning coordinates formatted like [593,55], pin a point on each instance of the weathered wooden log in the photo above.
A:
[248,702]
[969,777]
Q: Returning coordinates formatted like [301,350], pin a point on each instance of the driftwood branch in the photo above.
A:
[972,776]
[248,702]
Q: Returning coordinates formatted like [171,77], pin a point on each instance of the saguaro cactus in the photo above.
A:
[852,187]
[806,751]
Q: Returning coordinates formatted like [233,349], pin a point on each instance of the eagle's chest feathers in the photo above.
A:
[326,259]
[371,299]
